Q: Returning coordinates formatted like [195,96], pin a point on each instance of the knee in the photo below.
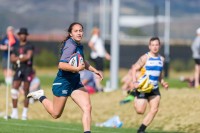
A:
[56,115]
[87,108]
[14,93]
[154,110]
[140,111]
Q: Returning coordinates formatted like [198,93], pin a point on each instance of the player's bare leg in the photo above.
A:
[14,96]
[81,97]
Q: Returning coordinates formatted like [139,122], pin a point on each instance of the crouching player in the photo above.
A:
[150,64]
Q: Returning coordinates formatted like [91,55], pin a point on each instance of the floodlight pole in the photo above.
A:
[115,44]
[76,11]
[167,38]
[90,21]
[156,10]
[107,18]
[7,84]
[103,19]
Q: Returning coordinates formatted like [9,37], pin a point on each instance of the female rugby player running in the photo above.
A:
[67,82]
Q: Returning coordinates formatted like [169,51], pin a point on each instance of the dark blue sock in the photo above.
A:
[87,132]
[142,127]
[42,98]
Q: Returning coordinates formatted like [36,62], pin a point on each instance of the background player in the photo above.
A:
[22,58]
[150,64]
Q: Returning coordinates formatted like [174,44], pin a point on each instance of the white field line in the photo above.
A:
[48,127]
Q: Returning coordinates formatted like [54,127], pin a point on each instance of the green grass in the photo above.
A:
[47,80]
[176,83]
[41,126]
[36,126]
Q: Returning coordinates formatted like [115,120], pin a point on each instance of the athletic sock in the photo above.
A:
[14,112]
[142,128]
[87,132]
[42,98]
[24,113]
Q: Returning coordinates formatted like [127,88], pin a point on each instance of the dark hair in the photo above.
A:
[69,30]
[153,39]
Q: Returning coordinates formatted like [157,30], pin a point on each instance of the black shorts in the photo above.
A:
[25,74]
[99,64]
[140,95]
[197,61]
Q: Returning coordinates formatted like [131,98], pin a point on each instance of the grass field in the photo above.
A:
[38,126]
[179,111]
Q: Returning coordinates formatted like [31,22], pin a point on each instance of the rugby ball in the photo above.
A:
[75,59]
[143,80]
[144,84]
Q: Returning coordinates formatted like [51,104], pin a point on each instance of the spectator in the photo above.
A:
[22,58]
[127,81]
[98,53]
[189,80]
[7,71]
[196,56]
[88,80]
[126,87]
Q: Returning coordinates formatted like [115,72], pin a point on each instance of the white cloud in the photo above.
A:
[138,21]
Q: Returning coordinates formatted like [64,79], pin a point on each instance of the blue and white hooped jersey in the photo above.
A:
[153,68]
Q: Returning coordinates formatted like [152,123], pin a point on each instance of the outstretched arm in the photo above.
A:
[161,80]
[107,56]
[91,45]
[92,69]
[163,83]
